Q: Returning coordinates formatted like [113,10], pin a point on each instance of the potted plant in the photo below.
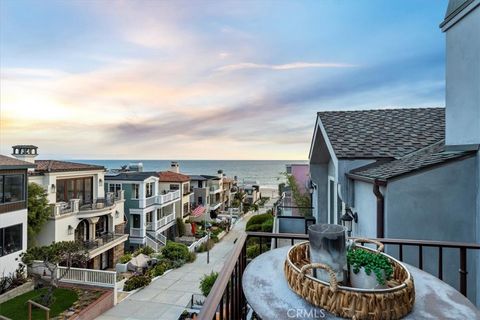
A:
[122,263]
[368,269]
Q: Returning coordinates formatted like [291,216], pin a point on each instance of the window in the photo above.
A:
[135,191]
[200,200]
[135,221]
[12,188]
[174,187]
[186,188]
[78,188]
[186,208]
[114,187]
[11,239]
[149,190]
[158,214]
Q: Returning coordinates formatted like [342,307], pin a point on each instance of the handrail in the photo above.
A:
[210,306]
[226,295]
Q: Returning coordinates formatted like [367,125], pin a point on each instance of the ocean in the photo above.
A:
[267,172]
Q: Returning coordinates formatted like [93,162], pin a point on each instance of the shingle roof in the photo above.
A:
[169,176]
[385,133]
[43,166]
[131,176]
[13,163]
[430,156]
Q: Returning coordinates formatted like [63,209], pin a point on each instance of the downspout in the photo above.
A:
[380,207]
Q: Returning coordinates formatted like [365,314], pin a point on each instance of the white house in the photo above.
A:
[81,210]
[150,213]
[13,212]
[173,180]
[411,173]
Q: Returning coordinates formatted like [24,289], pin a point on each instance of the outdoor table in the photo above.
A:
[269,295]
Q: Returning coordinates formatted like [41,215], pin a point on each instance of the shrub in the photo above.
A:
[178,263]
[254,227]
[125,258]
[207,282]
[136,282]
[254,250]
[158,270]
[206,246]
[144,250]
[167,263]
[259,219]
[267,226]
[180,227]
[371,262]
[192,256]
[175,251]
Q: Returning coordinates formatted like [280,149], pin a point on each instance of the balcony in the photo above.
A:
[103,243]
[97,206]
[160,199]
[227,300]
[154,226]
[214,189]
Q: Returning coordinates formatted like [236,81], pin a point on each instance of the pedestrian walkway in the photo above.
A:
[167,297]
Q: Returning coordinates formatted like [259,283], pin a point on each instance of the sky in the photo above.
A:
[106,79]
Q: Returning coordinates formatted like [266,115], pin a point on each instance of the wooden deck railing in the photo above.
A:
[227,301]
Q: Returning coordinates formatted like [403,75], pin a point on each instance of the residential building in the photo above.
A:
[300,173]
[173,180]
[150,213]
[81,210]
[13,212]
[208,193]
[252,191]
[410,173]
[229,190]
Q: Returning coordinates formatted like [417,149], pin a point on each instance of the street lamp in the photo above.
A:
[348,218]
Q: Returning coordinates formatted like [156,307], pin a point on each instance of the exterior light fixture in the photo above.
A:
[348,218]
[100,182]
[53,188]
[70,230]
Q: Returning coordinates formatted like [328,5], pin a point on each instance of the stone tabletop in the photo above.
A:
[269,295]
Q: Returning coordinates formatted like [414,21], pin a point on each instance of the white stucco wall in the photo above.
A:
[463,81]
[9,263]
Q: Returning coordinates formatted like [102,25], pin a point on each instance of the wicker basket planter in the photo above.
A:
[393,302]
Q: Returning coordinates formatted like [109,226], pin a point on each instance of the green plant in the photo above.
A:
[207,282]
[175,251]
[38,211]
[206,245]
[146,250]
[259,219]
[178,263]
[267,226]
[370,261]
[180,227]
[254,250]
[136,282]
[301,199]
[125,258]
[158,270]
[192,256]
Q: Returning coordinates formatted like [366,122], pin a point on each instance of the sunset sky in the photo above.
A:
[105,79]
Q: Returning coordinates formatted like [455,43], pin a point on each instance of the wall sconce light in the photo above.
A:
[117,214]
[348,218]
[70,229]
[53,188]
[100,182]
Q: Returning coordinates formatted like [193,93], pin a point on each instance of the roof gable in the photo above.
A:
[383,133]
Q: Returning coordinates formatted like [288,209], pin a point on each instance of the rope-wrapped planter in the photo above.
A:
[394,302]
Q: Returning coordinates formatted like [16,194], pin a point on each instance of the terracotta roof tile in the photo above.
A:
[9,163]
[169,176]
[43,166]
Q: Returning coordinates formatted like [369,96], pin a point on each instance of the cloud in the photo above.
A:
[287,66]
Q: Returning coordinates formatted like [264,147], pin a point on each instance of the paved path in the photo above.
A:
[167,297]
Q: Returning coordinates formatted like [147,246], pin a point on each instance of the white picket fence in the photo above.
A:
[197,243]
[98,278]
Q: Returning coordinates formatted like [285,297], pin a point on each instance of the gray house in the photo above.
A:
[411,173]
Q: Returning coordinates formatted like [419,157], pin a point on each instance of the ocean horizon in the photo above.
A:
[268,173]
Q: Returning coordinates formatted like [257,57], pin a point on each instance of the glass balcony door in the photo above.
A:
[78,188]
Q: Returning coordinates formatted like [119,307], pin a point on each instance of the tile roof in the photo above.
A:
[130,176]
[43,166]
[384,133]
[13,163]
[203,177]
[430,156]
[169,176]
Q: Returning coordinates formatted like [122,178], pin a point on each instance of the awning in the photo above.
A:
[198,211]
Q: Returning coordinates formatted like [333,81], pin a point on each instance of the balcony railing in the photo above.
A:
[159,199]
[74,206]
[227,301]
[101,240]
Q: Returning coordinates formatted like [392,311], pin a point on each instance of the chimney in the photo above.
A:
[220,173]
[26,153]
[174,167]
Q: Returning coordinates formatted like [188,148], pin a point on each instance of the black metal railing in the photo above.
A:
[227,301]
[101,240]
